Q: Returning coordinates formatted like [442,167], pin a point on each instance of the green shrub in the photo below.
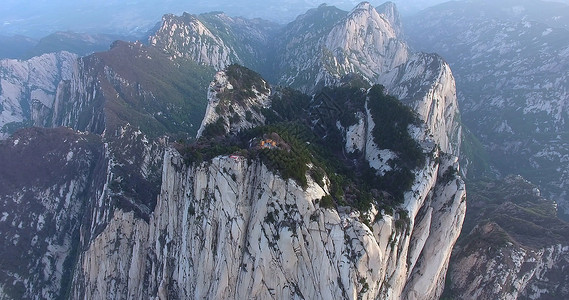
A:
[249,116]
[214,129]
[392,120]
[243,80]
[449,174]
[327,202]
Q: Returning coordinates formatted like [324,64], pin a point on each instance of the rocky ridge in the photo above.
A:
[426,83]
[366,41]
[134,97]
[214,39]
[254,223]
[362,41]
[315,50]
[513,245]
[231,103]
[133,114]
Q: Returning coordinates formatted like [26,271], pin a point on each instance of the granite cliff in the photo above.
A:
[205,220]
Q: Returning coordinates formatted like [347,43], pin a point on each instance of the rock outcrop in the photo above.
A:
[362,41]
[231,105]
[389,11]
[214,39]
[221,226]
[187,37]
[425,83]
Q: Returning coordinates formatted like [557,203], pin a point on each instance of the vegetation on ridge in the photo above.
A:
[310,143]
[161,97]
[244,82]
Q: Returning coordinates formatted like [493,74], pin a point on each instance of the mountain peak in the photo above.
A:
[186,37]
[390,12]
[366,36]
[235,99]
[363,6]
[392,197]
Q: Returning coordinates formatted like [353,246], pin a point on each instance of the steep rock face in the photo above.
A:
[28,89]
[391,14]
[131,96]
[136,99]
[130,83]
[134,246]
[363,42]
[514,246]
[439,223]
[511,272]
[187,37]
[220,228]
[48,180]
[298,52]
[425,83]
[325,44]
[236,107]
[437,217]
[78,102]
[214,39]
[122,97]
[135,84]
[368,43]
[316,49]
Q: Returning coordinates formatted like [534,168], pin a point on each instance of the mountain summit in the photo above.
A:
[335,185]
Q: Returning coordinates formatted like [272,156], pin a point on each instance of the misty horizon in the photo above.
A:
[37,19]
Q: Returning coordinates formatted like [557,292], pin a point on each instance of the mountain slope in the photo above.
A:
[132,99]
[49,179]
[258,216]
[78,43]
[511,82]
[355,170]
[214,39]
[316,49]
[361,41]
[319,48]
[28,89]
[513,245]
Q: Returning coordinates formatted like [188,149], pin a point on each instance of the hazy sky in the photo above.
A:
[40,17]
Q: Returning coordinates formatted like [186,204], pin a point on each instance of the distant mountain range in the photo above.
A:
[20,47]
